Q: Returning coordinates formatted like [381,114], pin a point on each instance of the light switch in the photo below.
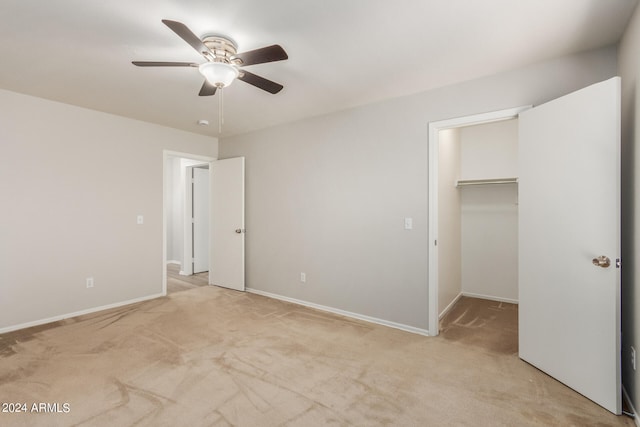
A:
[140,219]
[408,223]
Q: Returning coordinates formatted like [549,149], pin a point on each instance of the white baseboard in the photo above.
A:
[369,319]
[489,297]
[449,307]
[471,295]
[173,261]
[77,313]
[625,396]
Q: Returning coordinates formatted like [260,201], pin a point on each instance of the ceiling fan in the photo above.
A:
[224,64]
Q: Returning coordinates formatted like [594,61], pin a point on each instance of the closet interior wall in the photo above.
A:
[449,219]
[490,212]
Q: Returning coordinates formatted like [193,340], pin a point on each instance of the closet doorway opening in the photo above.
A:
[473,223]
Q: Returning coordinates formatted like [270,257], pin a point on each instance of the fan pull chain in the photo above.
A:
[220,110]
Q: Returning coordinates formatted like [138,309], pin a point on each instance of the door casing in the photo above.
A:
[434,129]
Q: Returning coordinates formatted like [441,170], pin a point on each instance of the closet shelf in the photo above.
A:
[469,182]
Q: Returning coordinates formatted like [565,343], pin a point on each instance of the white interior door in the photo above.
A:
[227,225]
[569,215]
[200,222]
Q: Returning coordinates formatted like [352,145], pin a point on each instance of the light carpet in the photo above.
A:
[215,357]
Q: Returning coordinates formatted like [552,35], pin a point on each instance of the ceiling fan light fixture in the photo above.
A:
[219,74]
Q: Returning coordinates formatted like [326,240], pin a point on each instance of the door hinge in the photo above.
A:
[618,263]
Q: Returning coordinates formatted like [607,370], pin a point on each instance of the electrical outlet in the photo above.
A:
[89,282]
[633,358]
[303,278]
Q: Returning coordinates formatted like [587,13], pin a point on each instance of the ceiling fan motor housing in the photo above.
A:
[221,70]
[223,49]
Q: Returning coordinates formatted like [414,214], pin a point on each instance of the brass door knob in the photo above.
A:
[602,261]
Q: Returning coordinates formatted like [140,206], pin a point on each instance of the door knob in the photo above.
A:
[240,230]
[602,261]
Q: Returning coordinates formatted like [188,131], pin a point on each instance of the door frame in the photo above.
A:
[166,154]
[432,212]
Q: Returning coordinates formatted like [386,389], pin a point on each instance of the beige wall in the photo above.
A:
[328,195]
[629,60]
[72,182]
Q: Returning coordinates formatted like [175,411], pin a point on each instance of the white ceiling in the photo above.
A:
[342,53]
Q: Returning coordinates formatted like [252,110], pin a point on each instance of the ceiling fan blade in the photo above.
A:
[187,35]
[262,55]
[207,89]
[260,82]
[163,64]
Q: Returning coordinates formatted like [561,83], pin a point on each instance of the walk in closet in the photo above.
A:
[478,213]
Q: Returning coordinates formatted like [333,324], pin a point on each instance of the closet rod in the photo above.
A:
[467,182]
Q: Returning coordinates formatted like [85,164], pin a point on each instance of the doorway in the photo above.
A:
[445,193]
[478,211]
[177,231]
[179,283]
